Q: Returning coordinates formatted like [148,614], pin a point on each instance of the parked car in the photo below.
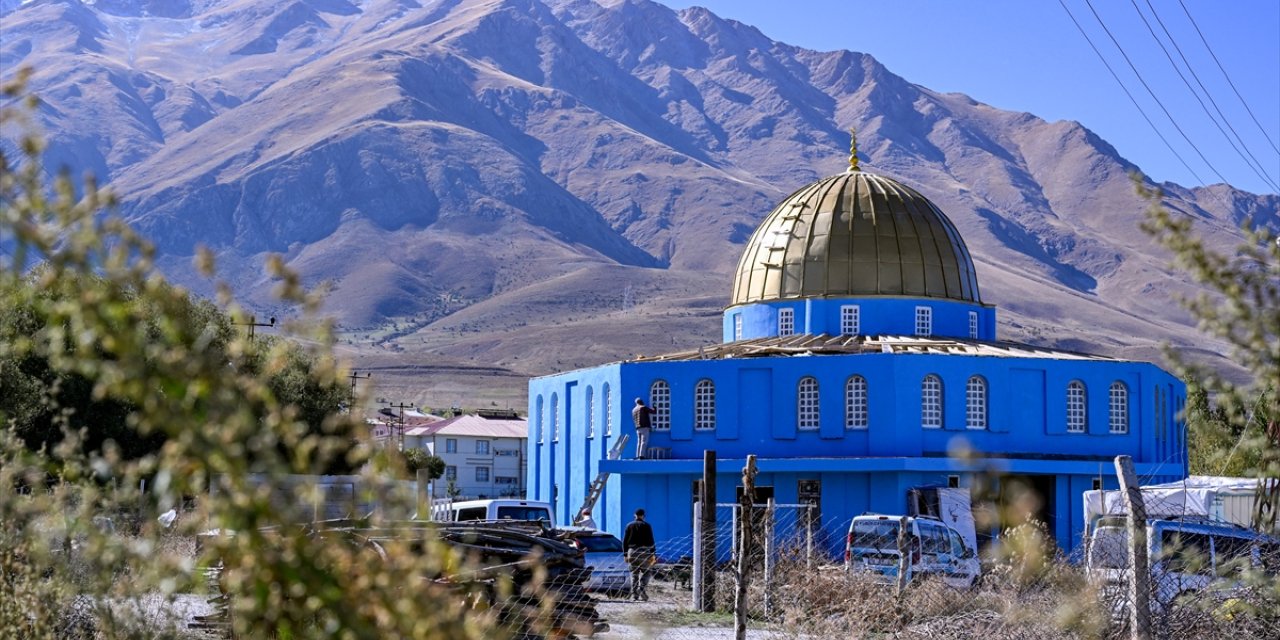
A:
[933,549]
[602,553]
[1185,556]
[492,509]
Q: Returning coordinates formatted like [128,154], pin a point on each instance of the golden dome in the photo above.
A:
[853,235]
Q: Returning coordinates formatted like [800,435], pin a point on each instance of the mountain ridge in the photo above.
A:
[427,157]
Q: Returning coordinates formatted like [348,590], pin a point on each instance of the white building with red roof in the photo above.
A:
[484,453]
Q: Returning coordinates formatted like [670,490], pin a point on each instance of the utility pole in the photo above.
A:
[253,324]
[400,421]
[354,377]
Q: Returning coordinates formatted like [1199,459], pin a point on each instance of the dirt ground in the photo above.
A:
[668,615]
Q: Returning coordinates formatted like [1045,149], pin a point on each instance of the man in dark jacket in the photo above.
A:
[641,416]
[638,545]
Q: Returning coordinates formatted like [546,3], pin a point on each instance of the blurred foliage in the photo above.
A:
[1219,443]
[111,345]
[1241,307]
[39,401]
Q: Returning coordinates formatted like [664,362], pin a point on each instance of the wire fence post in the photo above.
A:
[697,572]
[904,559]
[1139,574]
[745,547]
[808,537]
[707,542]
[769,516]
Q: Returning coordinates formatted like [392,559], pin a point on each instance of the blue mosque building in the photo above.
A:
[858,356]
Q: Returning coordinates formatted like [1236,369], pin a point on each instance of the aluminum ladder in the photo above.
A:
[597,486]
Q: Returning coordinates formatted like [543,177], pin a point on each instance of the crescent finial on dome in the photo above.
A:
[853,150]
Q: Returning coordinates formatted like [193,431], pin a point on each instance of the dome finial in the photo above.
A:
[853,150]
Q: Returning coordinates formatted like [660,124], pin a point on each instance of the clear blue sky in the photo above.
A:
[1026,55]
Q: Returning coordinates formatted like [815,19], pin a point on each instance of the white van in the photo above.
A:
[1184,556]
[934,548]
[494,509]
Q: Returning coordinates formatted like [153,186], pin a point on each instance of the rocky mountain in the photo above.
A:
[528,185]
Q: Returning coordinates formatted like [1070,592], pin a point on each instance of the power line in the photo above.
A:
[1152,93]
[1125,89]
[1224,74]
[1253,164]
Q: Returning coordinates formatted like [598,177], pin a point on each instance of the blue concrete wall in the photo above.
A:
[756,406]
[561,469]
[878,316]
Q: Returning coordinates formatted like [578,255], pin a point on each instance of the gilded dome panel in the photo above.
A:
[851,235]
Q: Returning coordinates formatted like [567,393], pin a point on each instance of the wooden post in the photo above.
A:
[904,553]
[1139,576]
[808,536]
[708,540]
[769,525]
[746,547]
[699,563]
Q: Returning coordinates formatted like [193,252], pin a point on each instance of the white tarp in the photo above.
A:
[1195,496]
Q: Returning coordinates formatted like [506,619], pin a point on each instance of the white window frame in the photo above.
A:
[924,321]
[487,474]
[855,403]
[608,411]
[931,407]
[450,445]
[482,447]
[660,402]
[975,403]
[973,325]
[737,326]
[451,473]
[591,412]
[850,320]
[808,407]
[555,418]
[786,322]
[1077,407]
[704,405]
[1119,407]
[537,420]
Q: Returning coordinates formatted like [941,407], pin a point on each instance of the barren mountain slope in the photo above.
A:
[545,184]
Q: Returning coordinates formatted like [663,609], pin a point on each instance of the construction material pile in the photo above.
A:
[533,581]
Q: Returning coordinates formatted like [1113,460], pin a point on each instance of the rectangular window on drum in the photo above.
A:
[786,322]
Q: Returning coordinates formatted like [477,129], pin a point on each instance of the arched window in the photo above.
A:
[931,402]
[608,410]
[855,403]
[591,412]
[975,403]
[660,401]
[704,405]
[1076,416]
[555,418]
[807,416]
[537,420]
[1119,407]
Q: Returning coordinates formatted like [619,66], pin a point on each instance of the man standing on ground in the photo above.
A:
[638,545]
[640,416]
